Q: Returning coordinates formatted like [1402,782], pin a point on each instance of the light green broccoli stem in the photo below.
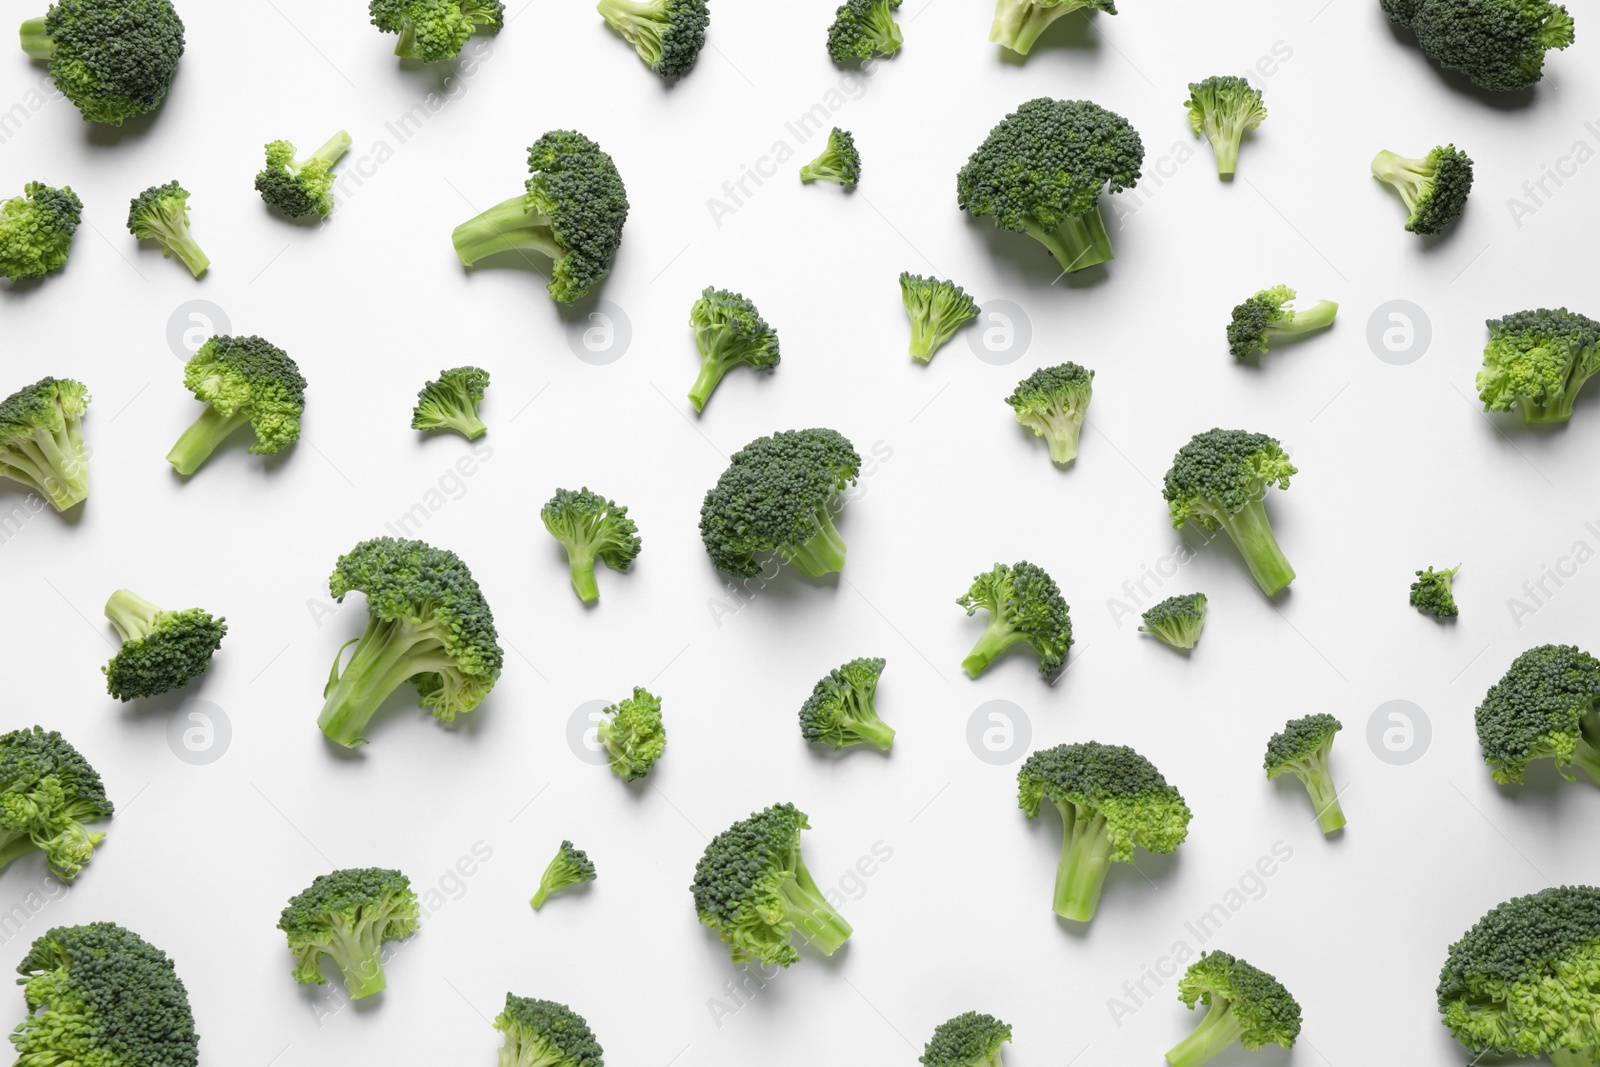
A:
[506,227]
[1080,241]
[332,150]
[822,554]
[580,558]
[720,355]
[1585,756]
[1228,132]
[360,960]
[927,335]
[1018,23]
[822,927]
[36,39]
[132,615]
[387,654]
[1252,534]
[172,230]
[996,638]
[1315,317]
[15,845]
[1217,1031]
[639,24]
[1313,771]
[1550,408]
[1564,1057]
[202,438]
[1085,862]
[873,730]
[53,466]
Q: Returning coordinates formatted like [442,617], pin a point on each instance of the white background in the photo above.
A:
[1399,469]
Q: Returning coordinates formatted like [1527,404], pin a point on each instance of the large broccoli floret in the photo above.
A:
[1111,799]
[1266,319]
[1053,402]
[1223,109]
[573,212]
[839,161]
[728,331]
[542,1033]
[1430,593]
[427,623]
[937,309]
[1498,44]
[41,440]
[102,996]
[47,792]
[1024,604]
[161,214]
[1018,23]
[571,866]
[1177,620]
[863,29]
[591,528]
[1537,361]
[36,230]
[1244,1004]
[435,30]
[161,650]
[840,709]
[451,403]
[1434,188]
[1041,172]
[1219,480]
[1301,748]
[1543,708]
[1522,981]
[752,887]
[113,58]
[347,916]
[971,1039]
[667,34]
[778,496]
[632,734]
[241,380]
[301,188]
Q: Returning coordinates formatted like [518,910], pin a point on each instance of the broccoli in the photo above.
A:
[573,212]
[161,214]
[241,380]
[1220,480]
[1537,361]
[1498,44]
[114,59]
[1544,707]
[1301,748]
[1024,604]
[1265,320]
[778,496]
[347,916]
[571,866]
[752,887]
[1244,1004]
[36,231]
[728,331]
[1223,109]
[667,34]
[840,709]
[451,403]
[427,622]
[1041,172]
[864,29]
[590,528]
[542,1033]
[838,162]
[1018,23]
[300,188]
[1053,402]
[161,650]
[435,30]
[632,735]
[1430,593]
[47,792]
[1521,981]
[1177,620]
[41,440]
[937,309]
[101,995]
[971,1039]
[1434,188]
[1110,799]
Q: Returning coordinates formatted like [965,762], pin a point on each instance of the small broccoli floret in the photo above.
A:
[435,30]
[114,59]
[1434,187]
[47,792]
[667,34]
[863,29]
[347,916]
[1537,361]
[571,866]
[573,212]
[427,623]
[840,709]
[1018,23]
[1543,708]
[161,214]
[542,1033]
[937,310]
[1219,480]
[1053,402]
[728,331]
[632,734]
[1499,44]
[301,188]
[451,403]
[41,440]
[839,161]
[1430,593]
[1244,1004]
[1111,799]
[1041,172]
[1301,748]
[36,231]
[1177,620]
[161,650]
[240,380]
[590,528]
[778,496]
[971,1039]
[1265,320]
[1024,604]
[102,996]
[751,886]
[1223,109]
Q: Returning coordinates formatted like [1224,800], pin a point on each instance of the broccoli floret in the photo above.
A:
[36,231]
[1018,23]
[1265,320]
[971,1039]
[47,792]
[451,403]
[300,188]
[113,58]
[1223,109]
[838,162]
[1521,981]
[1544,707]
[102,996]
[863,29]
[751,886]
[427,622]
[590,528]
[1245,1005]
[573,212]
[1024,604]
[241,380]
[1430,593]
[435,30]
[1301,748]
[161,214]
[1110,799]
[728,331]
[347,916]
[1537,361]
[778,496]
[1499,44]
[667,34]
[1434,187]
[41,440]
[571,866]
[937,309]
[1219,480]
[161,650]
[632,734]
[1053,402]
[1177,620]
[840,709]
[542,1033]
[1041,172]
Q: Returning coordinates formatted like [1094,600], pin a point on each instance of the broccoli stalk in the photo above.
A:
[41,440]
[1434,188]
[161,650]
[36,39]
[840,710]
[571,866]
[1024,604]
[1266,318]
[300,188]
[591,528]
[1177,620]
[241,380]
[347,915]
[1219,480]
[1053,402]
[1224,109]
[161,214]
[729,331]
[937,309]
[1301,748]
[863,29]
[667,34]
[450,402]
[1217,1030]
[1244,1004]
[839,161]
[1018,23]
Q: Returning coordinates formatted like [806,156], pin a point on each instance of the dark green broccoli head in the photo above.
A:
[251,379]
[161,214]
[347,915]
[1219,473]
[1112,782]
[1430,593]
[632,734]
[1267,317]
[1053,402]
[1537,361]
[838,162]
[1177,620]
[1301,740]
[113,58]
[161,650]
[1019,23]
[576,186]
[863,29]
[1434,188]
[571,866]
[450,402]
[591,528]
[1499,44]
[667,34]
[729,331]
[840,710]
[1246,1005]
[41,440]
[542,1033]
[1222,109]
[971,1039]
[300,188]
[1024,604]
[435,30]
[36,230]
[1543,708]
[937,309]
[47,792]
